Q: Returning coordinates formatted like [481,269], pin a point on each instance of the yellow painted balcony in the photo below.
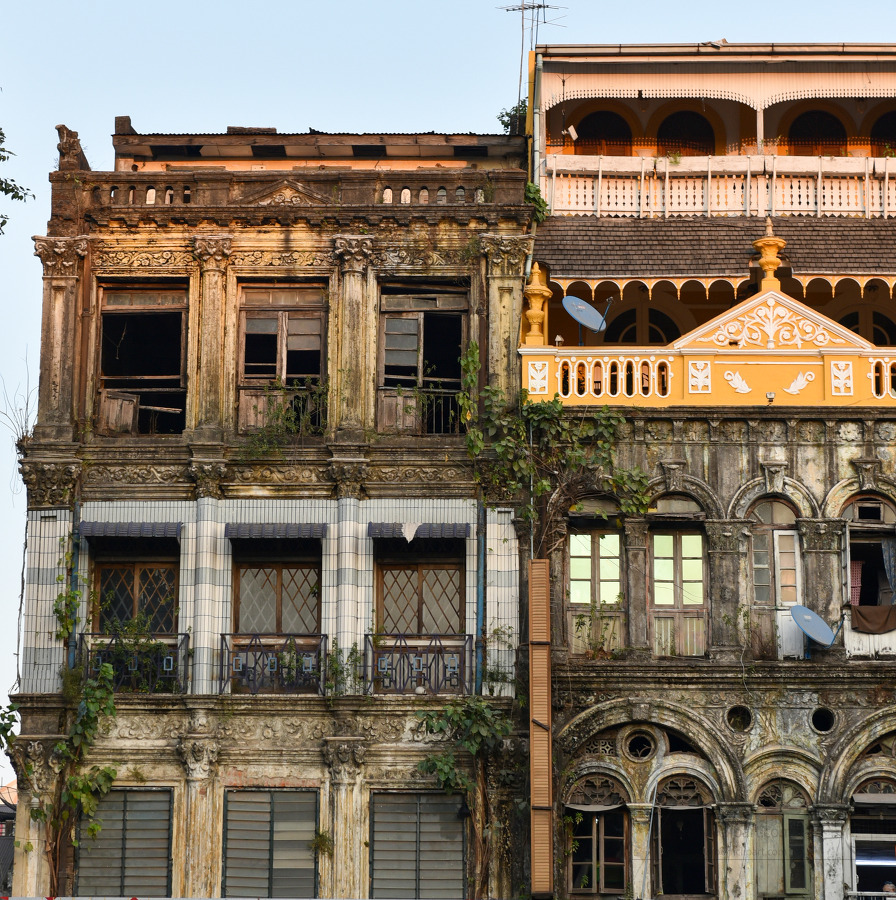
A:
[770,349]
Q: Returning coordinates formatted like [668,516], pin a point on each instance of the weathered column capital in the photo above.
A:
[506,253]
[831,816]
[60,255]
[36,765]
[212,252]
[49,484]
[349,475]
[198,755]
[724,535]
[635,533]
[821,534]
[353,252]
[208,476]
[344,757]
[735,813]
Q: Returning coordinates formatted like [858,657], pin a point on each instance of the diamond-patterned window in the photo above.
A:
[422,598]
[132,589]
[277,598]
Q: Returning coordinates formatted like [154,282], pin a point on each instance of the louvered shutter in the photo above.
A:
[131,855]
[441,862]
[292,867]
[393,861]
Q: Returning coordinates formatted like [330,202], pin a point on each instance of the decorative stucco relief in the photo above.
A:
[771,325]
[135,474]
[49,484]
[699,377]
[320,258]
[60,255]
[110,257]
[802,381]
[736,380]
[506,253]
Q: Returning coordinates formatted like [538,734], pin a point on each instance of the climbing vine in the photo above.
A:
[474,727]
[544,453]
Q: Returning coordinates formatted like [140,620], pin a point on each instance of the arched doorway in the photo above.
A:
[817,133]
[604,132]
[686,133]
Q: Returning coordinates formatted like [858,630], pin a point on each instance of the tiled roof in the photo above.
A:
[590,247]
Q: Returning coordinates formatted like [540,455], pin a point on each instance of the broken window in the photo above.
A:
[423,332]
[872,825]
[595,590]
[783,842]
[597,827]
[131,854]
[416,846]
[683,833]
[142,361]
[268,844]
[872,551]
[283,355]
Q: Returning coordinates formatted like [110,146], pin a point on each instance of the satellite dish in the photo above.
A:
[585,314]
[813,626]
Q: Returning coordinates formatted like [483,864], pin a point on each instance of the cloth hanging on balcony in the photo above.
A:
[873,619]
[131,529]
[270,531]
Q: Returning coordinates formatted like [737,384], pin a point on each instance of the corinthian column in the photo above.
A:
[353,385]
[62,261]
[212,253]
[344,756]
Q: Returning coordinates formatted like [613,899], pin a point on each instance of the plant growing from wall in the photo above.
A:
[549,456]
[288,413]
[474,728]
[539,204]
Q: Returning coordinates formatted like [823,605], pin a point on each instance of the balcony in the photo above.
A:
[273,663]
[750,185]
[155,665]
[413,664]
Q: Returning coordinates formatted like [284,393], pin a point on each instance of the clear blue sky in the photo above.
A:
[354,65]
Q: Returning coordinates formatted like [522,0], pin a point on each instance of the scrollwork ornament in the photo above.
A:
[49,484]
[117,258]
[212,252]
[198,756]
[60,255]
[208,477]
[506,253]
[137,475]
[353,252]
[36,765]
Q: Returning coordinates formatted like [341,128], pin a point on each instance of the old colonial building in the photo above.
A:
[248,461]
[719,263]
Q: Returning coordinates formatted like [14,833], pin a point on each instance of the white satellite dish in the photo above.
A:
[813,626]
[586,315]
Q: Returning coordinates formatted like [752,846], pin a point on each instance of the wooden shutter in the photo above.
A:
[540,768]
[417,847]
[131,855]
[267,844]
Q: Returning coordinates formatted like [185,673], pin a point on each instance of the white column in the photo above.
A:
[832,819]
[210,605]
[344,756]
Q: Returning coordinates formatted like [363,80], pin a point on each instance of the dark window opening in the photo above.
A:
[268,151]
[883,135]
[869,585]
[604,133]
[470,151]
[817,133]
[686,133]
[598,851]
[679,744]
[683,851]
[823,719]
[368,151]
[630,327]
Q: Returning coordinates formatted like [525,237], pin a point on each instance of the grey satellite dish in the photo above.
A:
[585,314]
[813,626]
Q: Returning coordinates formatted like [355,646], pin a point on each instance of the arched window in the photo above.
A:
[642,327]
[604,133]
[598,834]
[872,325]
[684,838]
[775,557]
[873,827]
[883,135]
[872,551]
[817,133]
[783,860]
[686,133]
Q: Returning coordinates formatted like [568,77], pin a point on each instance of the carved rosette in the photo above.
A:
[208,477]
[349,477]
[60,255]
[353,253]
[506,253]
[199,756]
[212,252]
[820,534]
[49,484]
[344,756]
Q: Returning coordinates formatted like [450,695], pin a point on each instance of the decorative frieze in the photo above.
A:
[417,256]
[60,255]
[135,474]
[111,257]
[296,259]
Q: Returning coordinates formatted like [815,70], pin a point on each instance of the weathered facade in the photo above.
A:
[247,443]
[727,211]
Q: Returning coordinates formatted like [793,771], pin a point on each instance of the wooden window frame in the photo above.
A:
[709,850]
[421,564]
[279,565]
[678,611]
[598,854]
[137,564]
[598,608]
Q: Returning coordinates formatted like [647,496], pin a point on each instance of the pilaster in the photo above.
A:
[344,757]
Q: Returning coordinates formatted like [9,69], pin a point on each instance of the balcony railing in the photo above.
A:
[410,664]
[273,663]
[157,665]
[626,186]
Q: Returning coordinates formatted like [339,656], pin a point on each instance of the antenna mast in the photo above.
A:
[532,13]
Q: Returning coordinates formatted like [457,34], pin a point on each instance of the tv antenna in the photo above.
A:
[533,14]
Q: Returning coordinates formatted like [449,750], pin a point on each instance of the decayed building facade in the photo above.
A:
[247,442]
[727,209]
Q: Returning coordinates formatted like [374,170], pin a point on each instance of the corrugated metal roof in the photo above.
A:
[131,529]
[428,530]
[275,530]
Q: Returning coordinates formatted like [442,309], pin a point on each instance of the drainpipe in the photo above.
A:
[481,540]
[73,576]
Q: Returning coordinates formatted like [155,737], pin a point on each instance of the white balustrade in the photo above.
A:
[613,376]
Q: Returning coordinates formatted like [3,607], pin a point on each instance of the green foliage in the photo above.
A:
[539,204]
[344,670]
[8,187]
[68,601]
[322,843]
[505,117]
[289,412]
[552,455]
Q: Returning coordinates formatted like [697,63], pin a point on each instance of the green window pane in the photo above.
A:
[663,570]
[663,545]
[580,592]
[608,569]
[692,593]
[692,545]
[579,567]
[580,545]
[663,594]
[609,544]
[609,592]
[692,569]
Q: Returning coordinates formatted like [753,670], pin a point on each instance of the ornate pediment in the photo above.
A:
[286,193]
[772,321]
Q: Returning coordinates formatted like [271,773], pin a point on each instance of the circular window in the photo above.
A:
[640,746]
[823,719]
[739,718]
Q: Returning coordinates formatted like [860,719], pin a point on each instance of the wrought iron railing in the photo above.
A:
[411,664]
[273,663]
[154,665]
